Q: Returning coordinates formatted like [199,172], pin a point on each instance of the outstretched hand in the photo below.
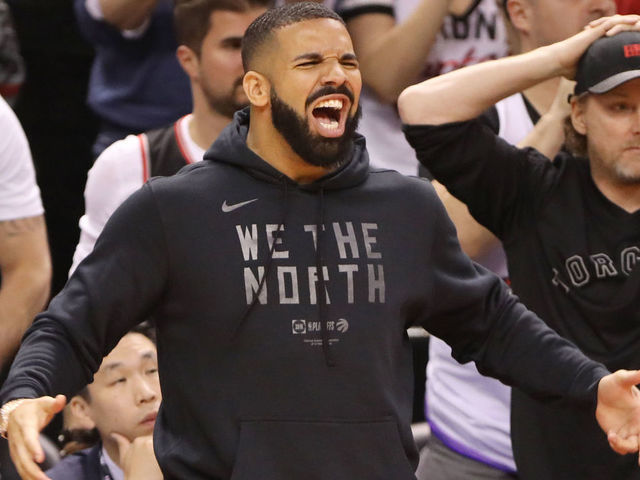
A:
[618,410]
[23,432]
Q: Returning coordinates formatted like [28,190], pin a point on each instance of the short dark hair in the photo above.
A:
[146,328]
[266,24]
[192,18]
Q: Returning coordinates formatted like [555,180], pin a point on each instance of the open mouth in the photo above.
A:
[330,114]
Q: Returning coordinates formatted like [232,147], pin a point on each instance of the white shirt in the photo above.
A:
[464,40]
[115,471]
[19,193]
[117,173]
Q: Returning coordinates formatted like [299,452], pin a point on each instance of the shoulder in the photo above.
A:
[123,159]
[14,148]
[82,465]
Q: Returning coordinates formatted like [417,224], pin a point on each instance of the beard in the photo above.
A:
[227,104]
[312,148]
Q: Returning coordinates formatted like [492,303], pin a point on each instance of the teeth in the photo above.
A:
[332,125]
[336,104]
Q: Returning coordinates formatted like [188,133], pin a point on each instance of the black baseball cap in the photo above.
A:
[608,63]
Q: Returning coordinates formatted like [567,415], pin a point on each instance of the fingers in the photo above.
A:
[123,446]
[58,404]
[24,461]
[628,378]
[623,445]
[616,23]
[624,28]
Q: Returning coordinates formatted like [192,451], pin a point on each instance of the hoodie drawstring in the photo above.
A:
[321,292]
[267,268]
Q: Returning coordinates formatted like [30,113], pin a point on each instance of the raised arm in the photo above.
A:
[391,55]
[126,14]
[474,89]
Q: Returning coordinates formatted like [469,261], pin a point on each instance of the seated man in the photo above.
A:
[121,404]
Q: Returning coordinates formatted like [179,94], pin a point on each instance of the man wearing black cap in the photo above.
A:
[570,227]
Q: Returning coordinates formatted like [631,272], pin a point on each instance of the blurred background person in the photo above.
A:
[51,106]
[136,82]
[210,34]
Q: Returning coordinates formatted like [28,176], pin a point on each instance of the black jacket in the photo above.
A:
[274,379]
[573,258]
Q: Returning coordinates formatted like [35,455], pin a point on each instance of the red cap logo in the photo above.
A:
[632,50]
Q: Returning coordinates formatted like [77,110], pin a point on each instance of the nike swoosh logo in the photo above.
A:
[230,208]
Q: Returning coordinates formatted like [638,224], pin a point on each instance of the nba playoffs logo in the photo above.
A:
[298,327]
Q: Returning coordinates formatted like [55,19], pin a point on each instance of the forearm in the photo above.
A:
[127,14]
[392,59]
[22,296]
[26,274]
[465,93]
[548,135]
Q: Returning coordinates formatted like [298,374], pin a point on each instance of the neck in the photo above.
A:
[206,124]
[625,196]
[541,95]
[267,142]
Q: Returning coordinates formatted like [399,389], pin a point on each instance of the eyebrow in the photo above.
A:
[231,40]
[317,56]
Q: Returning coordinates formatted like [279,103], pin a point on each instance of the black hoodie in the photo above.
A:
[272,379]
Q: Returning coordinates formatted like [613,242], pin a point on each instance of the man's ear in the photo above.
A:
[578,115]
[520,14]
[188,60]
[77,415]
[257,88]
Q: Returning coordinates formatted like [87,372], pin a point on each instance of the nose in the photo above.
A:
[334,74]
[147,390]
[603,8]
[636,122]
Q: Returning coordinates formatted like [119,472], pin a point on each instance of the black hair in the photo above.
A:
[263,27]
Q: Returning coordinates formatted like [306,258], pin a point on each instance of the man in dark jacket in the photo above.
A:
[283,274]
[569,227]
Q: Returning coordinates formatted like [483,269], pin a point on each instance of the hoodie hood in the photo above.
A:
[231,148]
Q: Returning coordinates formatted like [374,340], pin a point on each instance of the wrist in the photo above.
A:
[5,413]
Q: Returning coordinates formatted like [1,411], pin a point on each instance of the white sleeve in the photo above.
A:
[116,174]
[19,193]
